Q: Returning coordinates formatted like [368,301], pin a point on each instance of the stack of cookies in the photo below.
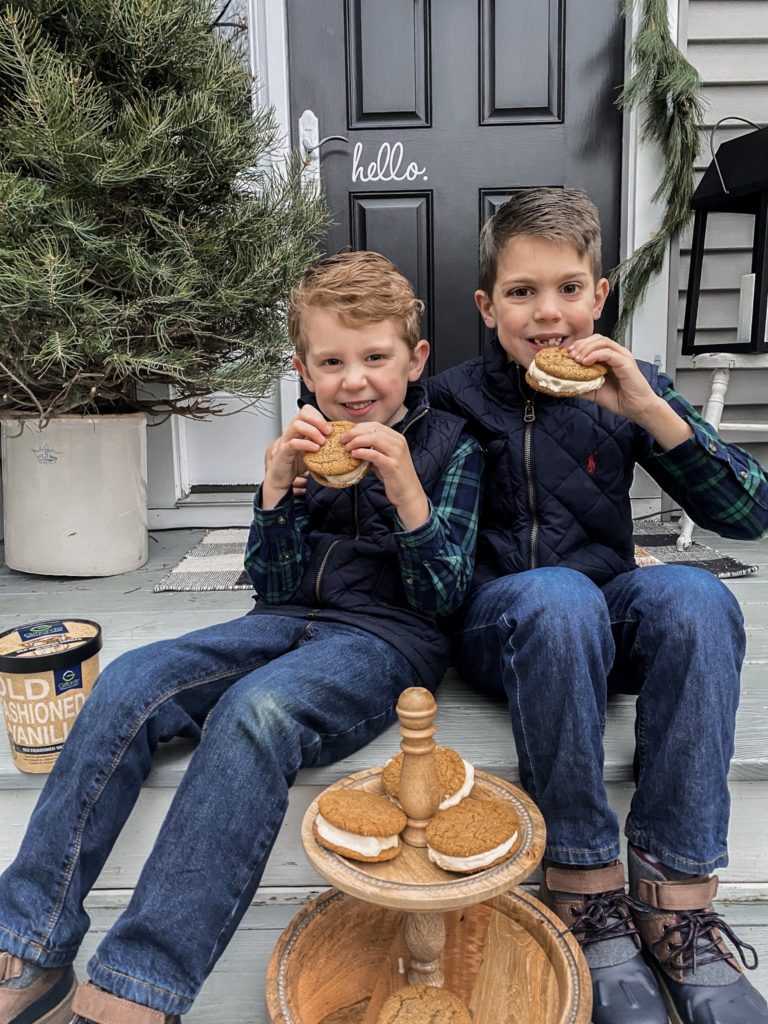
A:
[466,835]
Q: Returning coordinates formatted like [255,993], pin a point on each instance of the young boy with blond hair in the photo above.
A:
[352,588]
[559,618]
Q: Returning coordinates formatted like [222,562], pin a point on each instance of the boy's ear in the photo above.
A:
[601,294]
[301,368]
[418,359]
[484,304]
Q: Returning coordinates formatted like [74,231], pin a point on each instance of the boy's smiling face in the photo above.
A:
[358,373]
[545,294]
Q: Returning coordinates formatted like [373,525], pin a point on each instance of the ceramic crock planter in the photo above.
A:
[75,494]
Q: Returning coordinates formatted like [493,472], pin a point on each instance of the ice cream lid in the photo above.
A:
[53,643]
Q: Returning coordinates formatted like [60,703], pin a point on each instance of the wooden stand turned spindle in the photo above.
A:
[419,791]
[425,938]
[419,796]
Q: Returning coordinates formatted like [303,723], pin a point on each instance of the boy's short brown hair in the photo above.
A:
[360,288]
[563,215]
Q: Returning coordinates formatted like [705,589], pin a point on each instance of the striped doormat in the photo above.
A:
[655,543]
[216,563]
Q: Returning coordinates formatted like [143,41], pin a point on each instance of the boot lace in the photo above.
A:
[697,945]
[603,916]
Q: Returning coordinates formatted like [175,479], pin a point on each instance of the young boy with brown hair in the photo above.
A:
[352,586]
[559,618]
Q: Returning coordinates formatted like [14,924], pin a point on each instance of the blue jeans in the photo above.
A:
[557,646]
[265,696]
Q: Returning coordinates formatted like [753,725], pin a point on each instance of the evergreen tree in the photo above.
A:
[148,232]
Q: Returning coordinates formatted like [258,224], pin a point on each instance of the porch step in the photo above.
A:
[131,615]
[234,993]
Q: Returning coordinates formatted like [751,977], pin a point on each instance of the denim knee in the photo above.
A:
[690,605]
[559,603]
[264,723]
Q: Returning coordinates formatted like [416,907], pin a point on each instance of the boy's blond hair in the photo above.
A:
[360,288]
[563,215]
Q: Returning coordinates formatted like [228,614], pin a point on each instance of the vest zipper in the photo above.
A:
[529,418]
[332,545]
[321,568]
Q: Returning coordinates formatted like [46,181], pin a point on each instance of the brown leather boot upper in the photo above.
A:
[674,936]
[599,911]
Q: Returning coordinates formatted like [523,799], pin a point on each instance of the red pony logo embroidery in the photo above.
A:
[591,464]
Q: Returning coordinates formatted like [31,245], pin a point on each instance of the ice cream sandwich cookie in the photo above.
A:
[359,825]
[456,776]
[554,372]
[332,465]
[473,835]
[423,1004]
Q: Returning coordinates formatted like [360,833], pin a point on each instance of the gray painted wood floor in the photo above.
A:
[131,615]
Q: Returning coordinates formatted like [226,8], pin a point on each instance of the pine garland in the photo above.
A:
[669,88]
[149,235]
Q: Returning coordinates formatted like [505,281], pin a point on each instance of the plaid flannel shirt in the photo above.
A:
[436,559]
[720,485]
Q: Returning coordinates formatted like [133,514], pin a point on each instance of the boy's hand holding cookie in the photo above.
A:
[305,433]
[626,392]
[388,453]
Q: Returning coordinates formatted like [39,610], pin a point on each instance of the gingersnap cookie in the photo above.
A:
[423,1004]
[473,835]
[456,776]
[554,372]
[359,825]
[332,465]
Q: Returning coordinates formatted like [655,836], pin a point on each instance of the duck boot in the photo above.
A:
[594,905]
[93,1005]
[34,995]
[684,942]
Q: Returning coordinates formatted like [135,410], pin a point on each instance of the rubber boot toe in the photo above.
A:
[738,1003]
[626,993]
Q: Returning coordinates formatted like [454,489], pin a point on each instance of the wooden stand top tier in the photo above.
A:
[411,881]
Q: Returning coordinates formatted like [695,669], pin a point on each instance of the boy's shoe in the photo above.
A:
[682,938]
[32,995]
[594,905]
[93,1005]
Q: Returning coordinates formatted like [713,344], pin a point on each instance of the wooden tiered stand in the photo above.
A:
[406,921]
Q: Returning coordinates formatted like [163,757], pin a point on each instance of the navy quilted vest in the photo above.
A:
[558,471]
[353,575]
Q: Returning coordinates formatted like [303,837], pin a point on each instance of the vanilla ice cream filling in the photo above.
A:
[472,863]
[342,478]
[557,384]
[367,846]
[464,790]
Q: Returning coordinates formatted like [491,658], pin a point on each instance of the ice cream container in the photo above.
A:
[47,669]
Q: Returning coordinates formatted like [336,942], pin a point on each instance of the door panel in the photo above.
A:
[521,61]
[449,107]
[398,222]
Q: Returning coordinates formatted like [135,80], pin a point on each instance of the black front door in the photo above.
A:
[448,107]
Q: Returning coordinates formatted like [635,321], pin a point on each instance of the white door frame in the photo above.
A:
[646,337]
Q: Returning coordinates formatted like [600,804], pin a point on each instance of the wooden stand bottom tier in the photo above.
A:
[506,959]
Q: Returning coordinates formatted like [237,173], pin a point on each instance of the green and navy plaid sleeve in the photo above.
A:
[437,558]
[720,486]
[277,554]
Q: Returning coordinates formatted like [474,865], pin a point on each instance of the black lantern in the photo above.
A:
[735,182]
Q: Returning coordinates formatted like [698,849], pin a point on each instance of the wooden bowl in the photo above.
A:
[506,959]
